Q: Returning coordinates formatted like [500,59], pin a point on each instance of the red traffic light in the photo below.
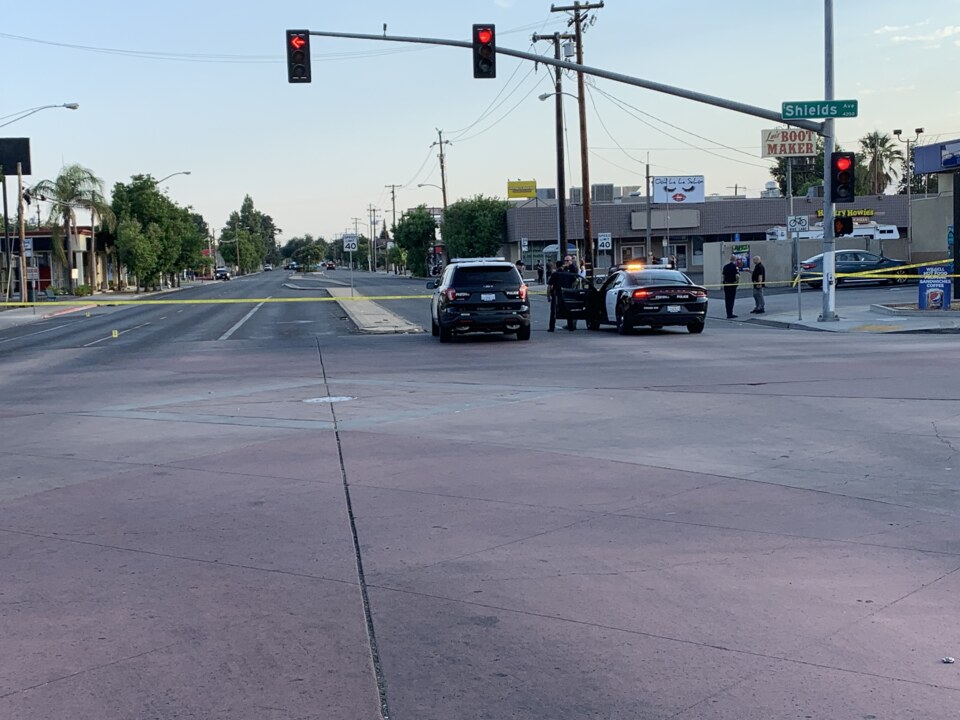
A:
[297,41]
[484,35]
[843,162]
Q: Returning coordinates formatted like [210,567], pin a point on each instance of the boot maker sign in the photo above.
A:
[788,142]
[684,189]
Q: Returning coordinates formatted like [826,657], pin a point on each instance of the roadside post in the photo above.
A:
[797,224]
[350,245]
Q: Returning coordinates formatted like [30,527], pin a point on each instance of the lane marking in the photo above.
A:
[39,332]
[246,317]
[111,336]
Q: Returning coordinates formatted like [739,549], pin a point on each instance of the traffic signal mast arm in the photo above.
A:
[616,77]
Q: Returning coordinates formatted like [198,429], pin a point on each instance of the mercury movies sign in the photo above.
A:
[683,189]
[788,142]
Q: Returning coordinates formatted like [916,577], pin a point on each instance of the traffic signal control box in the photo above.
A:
[298,56]
[484,51]
[842,180]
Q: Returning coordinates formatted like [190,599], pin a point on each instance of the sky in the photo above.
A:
[197,86]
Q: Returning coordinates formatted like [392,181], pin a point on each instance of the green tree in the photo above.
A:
[807,172]
[139,251]
[919,184]
[475,227]
[415,234]
[75,188]
[880,159]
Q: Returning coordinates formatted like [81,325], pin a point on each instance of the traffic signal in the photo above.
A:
[842,188]
[484,51]
[842,226]
[298,56]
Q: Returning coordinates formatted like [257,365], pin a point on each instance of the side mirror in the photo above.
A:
[432,285]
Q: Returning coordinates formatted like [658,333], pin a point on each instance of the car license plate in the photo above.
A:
[673,308]
[488,297]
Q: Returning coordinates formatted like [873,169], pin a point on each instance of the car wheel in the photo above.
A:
[623,327]
[901,277]
[445,334]
[816,285]
[696,327]
[523,333]
[434,328]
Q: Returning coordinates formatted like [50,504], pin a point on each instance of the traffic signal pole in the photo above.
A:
[828,287]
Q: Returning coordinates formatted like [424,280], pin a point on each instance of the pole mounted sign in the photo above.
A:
[798,223]
[805,109]
[350,243]
[788,142]
[604,241]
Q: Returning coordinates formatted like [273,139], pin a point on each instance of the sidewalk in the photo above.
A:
[865,319]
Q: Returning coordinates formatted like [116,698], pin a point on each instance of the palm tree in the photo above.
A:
[76,187]
[882,158]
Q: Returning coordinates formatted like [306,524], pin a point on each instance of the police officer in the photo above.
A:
[731,277]
[565,277]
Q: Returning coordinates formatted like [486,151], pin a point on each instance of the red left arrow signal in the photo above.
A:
[297,41]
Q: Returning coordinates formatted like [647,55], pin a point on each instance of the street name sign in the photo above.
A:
[803,109]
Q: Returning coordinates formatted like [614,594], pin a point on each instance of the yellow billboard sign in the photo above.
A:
[521,188]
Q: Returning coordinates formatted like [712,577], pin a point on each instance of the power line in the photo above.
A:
[621,105]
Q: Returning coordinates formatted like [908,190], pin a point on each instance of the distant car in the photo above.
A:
[651,296]
[221,273]
[479,295]
[292,266]
[855,261]
[268,267]
[331,265]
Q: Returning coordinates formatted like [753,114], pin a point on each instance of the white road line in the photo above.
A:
[39,332]
[246,317]
[122,332]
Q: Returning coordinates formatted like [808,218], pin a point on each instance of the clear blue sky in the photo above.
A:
[201,86]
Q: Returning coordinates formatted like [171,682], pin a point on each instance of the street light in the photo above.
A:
[30,111]
[181,172]
[3,177]
[908,141]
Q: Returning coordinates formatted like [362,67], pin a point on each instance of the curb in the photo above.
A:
[904,312]
[68,311]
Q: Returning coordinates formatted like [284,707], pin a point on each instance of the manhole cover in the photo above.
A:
[329,399]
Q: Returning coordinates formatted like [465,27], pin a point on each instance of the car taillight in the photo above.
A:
[641,294]
[808,266]
[451,294]
[523,292]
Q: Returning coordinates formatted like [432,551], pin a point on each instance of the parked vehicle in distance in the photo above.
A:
[331,265]
[292,265]
[855,261]
[221,273]
[655,297]
[268,267]
[479,295]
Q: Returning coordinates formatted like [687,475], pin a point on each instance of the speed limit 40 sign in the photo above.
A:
[350,243]
[798,223]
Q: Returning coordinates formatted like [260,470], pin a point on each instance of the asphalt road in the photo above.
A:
[251,510]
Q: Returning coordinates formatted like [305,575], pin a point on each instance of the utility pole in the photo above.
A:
[393,203]
[561,176]
[372,214]
[443,169]
[649,233]
[578,9]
